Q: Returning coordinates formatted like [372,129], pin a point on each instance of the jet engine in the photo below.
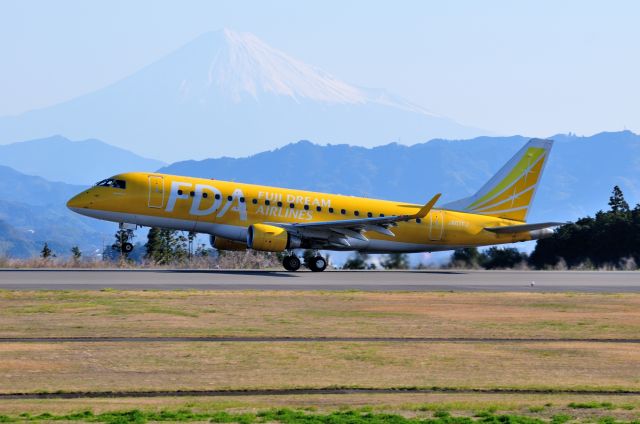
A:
[222,243]
[270,238]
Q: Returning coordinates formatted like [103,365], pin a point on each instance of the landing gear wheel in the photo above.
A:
[317,264]
[291,263]
[127,247]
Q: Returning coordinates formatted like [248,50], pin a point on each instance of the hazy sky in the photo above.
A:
[533,68]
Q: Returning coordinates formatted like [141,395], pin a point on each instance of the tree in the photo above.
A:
[202,251]
[121,237]
[46,252]
[395,261]
[467,257]
[612,238]
[617,202]
[502,258]
[76,253]
[357,261]
[165,246]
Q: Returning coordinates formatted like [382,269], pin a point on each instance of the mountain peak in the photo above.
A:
[242,65]
[228,93]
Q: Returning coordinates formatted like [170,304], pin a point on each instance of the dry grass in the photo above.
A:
[157,366]
[544,406]
[136,366]
[200,313]
[246,259]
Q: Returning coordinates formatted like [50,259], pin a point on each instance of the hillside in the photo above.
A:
[33,210]
[577,181]
[85,162]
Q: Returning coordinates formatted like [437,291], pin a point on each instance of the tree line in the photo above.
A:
[610,239]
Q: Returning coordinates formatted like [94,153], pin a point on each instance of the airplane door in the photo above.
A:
[156,191]
[436,226]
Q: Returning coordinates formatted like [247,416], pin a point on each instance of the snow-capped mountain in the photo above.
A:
[229,93]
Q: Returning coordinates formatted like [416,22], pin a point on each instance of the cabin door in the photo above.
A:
[156,191]
[436,226]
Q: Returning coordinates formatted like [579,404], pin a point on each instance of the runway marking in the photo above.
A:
[277,339]
[304,391]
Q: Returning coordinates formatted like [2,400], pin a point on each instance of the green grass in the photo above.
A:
[591,405]
[284,416]
[289,416]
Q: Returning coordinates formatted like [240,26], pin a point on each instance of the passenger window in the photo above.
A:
[343,211]
[192,193]
[279,204]
[267,202]
[319,209]
[381,215]
[418,220]
[306,207]
[217,196]
[242,200]
[179,192]
[330,210]
[291,205]
[229,198]
[205,195]
[369,214]
[356,213]
[254,201]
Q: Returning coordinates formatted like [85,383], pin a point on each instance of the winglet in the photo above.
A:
[426,208]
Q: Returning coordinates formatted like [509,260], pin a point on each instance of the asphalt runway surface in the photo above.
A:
[418,280]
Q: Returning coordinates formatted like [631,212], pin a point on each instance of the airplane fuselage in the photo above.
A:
[227,209]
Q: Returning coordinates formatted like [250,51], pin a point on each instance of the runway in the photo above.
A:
[418,280]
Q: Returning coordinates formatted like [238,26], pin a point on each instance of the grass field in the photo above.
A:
[110,366]
[206,313]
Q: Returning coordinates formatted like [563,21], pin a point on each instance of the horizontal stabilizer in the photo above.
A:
[523,228]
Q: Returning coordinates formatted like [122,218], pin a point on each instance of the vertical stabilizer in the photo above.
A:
[510,192]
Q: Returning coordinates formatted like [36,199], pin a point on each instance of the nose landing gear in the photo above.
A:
[126,234]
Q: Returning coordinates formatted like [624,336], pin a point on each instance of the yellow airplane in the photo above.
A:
[240,216]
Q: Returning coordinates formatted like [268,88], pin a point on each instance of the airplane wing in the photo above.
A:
[523,228]
[339,231]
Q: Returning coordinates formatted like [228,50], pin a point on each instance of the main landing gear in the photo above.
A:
[291,262]
[316,263]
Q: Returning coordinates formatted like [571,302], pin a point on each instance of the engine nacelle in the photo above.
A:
[222,243]
[270,238]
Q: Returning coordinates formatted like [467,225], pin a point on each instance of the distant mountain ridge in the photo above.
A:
[57,158]
[229,93]
[33,211]
[578,179]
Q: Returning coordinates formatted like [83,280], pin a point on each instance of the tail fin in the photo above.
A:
[510,192]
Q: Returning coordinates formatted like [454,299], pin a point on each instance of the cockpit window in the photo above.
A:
[110,182]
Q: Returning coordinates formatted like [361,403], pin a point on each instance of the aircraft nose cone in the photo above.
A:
[77,201]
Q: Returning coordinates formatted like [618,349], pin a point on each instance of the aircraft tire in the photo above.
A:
[291,263]
[127,247]
[317,264]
